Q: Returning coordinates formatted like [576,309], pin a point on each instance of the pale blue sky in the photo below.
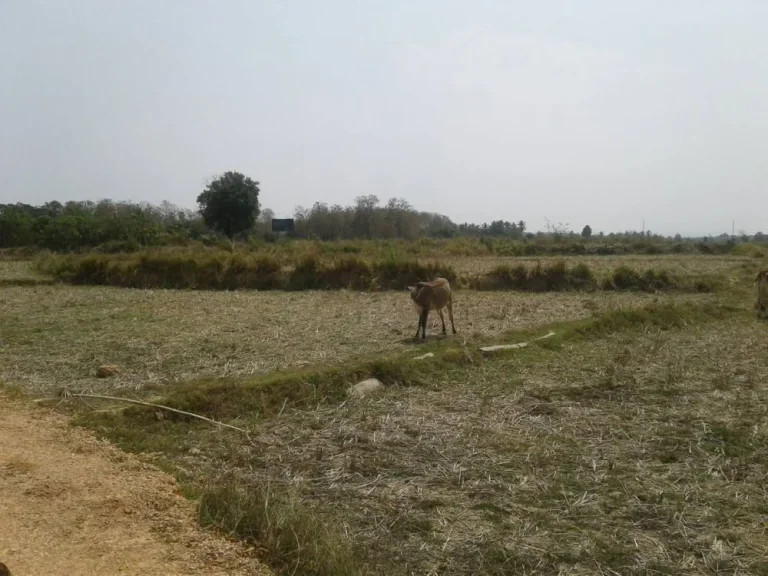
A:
[586,111]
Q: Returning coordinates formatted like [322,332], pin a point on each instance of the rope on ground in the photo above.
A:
[142,403]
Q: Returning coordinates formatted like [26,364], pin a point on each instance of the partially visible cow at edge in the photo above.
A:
[762,294]
[428,296]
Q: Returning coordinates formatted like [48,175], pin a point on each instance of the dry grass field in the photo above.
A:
[20,273]
[634,442]
[58,335]
[642,453]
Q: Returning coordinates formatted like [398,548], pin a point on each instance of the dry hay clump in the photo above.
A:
[107,370]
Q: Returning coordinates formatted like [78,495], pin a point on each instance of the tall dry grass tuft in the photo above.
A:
[556,277]
[227,270]
[223,270]
[291,538]
[625,278]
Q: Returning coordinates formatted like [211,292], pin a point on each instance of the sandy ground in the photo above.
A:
[71,504]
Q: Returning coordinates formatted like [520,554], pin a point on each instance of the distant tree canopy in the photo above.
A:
[232,207]
[366,219]
[75,225]
[586,231]
[230,204]
[397,219]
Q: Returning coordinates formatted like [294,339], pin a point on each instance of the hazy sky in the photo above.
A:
[600,112]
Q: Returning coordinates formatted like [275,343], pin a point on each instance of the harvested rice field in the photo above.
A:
[640,453]
[630,442]
[54,336]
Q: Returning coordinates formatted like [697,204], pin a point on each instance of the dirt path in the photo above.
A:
[70,504]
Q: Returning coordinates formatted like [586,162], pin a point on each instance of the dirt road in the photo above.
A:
[71,504]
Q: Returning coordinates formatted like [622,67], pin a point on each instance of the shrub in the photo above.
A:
[118,246]
[396,274]
[557,277]
[505,278]
[750,250]
[349,273]
[226,270]
[680,248]
[306,274]
[582,277]
[262,272]
[650,249]
[311,274]
[217,270]
[625,278]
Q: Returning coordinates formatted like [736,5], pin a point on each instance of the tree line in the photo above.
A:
[368,218]
[229,207]
[74,225]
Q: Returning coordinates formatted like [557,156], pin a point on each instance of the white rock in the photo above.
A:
[365,387]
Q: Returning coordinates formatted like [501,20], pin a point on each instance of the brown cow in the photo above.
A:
[762,294]
[428,296]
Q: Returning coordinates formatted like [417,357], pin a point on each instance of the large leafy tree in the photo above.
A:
[230,204]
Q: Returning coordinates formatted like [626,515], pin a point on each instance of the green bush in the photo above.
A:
[625,278]
[557,277]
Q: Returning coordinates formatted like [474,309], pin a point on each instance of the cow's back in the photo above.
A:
[436,293]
